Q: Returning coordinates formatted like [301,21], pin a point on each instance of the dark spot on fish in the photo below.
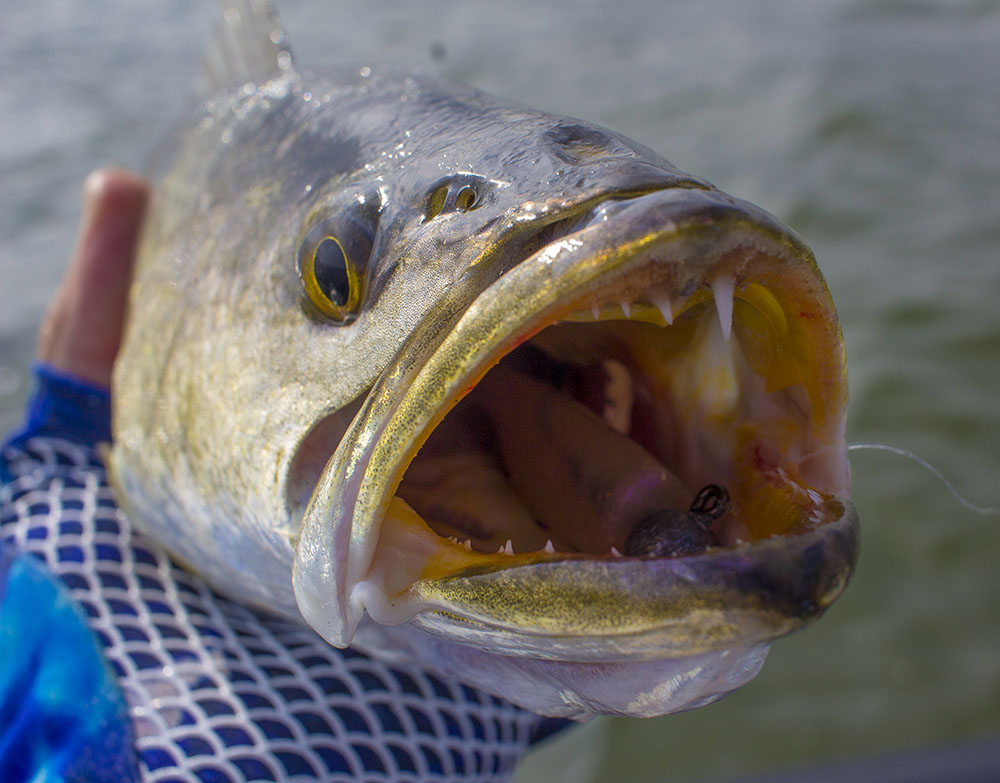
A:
[577,144]
[306,158]
[325,157]
[674,533]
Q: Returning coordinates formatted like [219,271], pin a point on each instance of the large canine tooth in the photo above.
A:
[722,289]
[662,302]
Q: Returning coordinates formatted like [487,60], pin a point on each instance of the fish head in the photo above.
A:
[591,337]
[472,371]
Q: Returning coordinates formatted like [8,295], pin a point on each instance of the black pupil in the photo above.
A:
[330,268]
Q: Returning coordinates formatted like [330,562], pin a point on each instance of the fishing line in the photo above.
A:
[986,511]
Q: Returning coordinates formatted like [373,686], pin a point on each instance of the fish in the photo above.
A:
[465,384]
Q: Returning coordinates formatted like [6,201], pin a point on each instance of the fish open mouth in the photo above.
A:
[663,384]
[597,425]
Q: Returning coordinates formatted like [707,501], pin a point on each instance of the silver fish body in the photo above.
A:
[412,364]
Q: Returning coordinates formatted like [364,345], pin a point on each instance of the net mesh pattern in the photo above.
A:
[220,693]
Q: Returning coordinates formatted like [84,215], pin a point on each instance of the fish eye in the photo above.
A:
[330,280]
[333,265]
[466,198]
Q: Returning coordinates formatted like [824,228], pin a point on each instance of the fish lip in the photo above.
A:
[752,593]
[340,529]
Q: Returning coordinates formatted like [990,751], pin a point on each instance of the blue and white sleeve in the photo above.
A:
[117,664]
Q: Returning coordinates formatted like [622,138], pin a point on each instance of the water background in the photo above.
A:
[873,128]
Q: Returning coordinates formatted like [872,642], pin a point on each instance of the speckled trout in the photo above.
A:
[465,383]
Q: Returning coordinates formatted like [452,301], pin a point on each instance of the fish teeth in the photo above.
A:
[596,311]
[626,309]
[549,548]
[722,288]
[663,304]
[468,544]
[615,552]
[508,548]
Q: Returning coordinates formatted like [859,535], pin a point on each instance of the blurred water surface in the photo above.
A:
[871,126]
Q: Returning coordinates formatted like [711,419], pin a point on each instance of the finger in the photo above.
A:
[81,332]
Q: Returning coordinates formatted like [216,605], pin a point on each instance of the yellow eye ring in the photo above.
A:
[330,280]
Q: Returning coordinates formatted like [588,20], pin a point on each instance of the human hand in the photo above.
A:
[82,329]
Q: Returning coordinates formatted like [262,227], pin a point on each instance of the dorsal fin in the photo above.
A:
[250,45]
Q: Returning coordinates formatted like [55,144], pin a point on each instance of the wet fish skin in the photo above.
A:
[252,171]
[227,369]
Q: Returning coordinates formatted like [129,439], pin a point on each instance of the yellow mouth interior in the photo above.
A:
[626,409]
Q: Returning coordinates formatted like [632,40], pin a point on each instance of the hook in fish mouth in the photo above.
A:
[671,342]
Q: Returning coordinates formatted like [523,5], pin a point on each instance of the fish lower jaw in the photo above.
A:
[617,411]
[577,690]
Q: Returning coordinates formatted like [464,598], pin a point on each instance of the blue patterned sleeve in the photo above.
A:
[64,406]
[117,664]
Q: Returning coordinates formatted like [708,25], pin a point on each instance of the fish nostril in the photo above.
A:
[454,195]
[435,202]
[579,143]
[467,198]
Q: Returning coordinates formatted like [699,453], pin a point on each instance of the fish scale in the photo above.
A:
[214,687]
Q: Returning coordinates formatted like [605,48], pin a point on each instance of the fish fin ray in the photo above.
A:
[250,45]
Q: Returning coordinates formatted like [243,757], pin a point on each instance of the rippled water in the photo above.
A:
[873,128]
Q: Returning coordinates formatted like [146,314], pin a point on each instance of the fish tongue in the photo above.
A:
[582,479]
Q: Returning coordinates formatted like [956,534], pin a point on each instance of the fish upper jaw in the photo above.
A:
[707,302]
